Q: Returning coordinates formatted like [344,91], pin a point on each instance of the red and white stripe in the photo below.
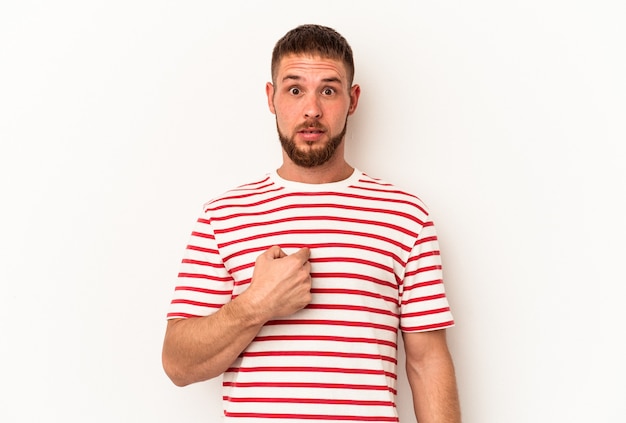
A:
[375,268]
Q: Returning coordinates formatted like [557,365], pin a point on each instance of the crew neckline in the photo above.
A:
[303,186]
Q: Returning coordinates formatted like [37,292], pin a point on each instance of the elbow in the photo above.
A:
[172,360]
[178,381]
[173,372]
[182,374]
[175,367]
[181,362]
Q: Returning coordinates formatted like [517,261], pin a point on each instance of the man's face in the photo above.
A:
[312,100]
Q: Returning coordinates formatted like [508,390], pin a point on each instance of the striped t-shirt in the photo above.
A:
[375,267]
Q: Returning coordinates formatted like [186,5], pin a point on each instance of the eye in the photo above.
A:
[328,91]
[294,90]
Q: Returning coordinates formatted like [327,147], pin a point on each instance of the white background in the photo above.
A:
[118,119]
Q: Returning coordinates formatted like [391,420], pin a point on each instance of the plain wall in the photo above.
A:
[119,119]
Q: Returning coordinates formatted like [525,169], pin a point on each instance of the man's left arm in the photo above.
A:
[430,372]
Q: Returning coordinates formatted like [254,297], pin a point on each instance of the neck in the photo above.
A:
[336,169]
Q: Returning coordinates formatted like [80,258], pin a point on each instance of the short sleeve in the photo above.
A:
[203,285]
[424,305]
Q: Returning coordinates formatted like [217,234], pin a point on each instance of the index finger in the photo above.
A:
[303,254]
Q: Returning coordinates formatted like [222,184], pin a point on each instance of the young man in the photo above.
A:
[294,286]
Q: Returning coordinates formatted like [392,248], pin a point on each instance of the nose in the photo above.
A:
[312,108]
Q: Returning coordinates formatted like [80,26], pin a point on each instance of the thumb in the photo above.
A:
[275,252]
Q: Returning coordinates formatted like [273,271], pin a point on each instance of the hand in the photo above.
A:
[281,283]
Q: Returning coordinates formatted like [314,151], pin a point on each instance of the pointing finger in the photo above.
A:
[303,254]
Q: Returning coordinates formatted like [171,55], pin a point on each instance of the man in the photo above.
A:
[294,286]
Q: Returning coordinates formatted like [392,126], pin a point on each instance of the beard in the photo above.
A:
[310,156]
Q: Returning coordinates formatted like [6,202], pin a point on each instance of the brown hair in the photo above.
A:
[314,40]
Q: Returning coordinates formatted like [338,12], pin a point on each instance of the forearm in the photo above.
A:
[202,348]
[435,396]
[430,371]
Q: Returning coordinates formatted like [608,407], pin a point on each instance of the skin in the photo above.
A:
[430,371]
[309,89]
[202,348]
[312,99]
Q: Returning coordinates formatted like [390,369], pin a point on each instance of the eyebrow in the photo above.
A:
[297,78]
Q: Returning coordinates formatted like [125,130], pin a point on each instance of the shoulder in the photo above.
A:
[244,193]
[369,185]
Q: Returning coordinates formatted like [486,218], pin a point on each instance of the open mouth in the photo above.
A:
[311,135]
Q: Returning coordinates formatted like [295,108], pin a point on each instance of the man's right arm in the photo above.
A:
[200,348]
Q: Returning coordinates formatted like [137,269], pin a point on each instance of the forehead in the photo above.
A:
[310,67]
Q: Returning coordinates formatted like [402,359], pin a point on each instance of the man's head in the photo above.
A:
[314,40]
[312,94]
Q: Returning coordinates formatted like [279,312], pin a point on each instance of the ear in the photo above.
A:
[269,91]
[355,93]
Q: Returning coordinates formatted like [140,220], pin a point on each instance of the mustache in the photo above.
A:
[310,124]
